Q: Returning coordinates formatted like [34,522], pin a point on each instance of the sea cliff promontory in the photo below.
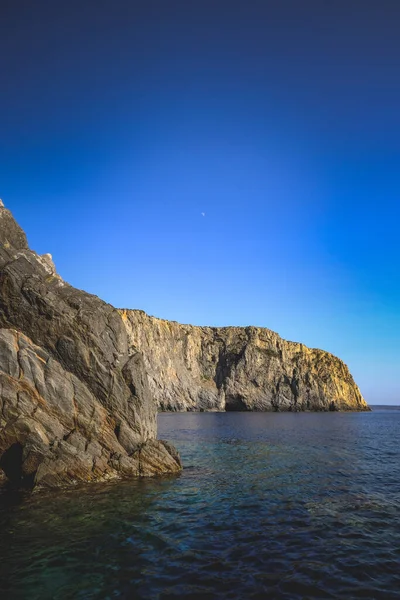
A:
[237,368]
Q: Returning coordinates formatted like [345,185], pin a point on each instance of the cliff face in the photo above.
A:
[74,398]
[235,368]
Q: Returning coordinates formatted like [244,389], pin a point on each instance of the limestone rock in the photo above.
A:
[237,368]
[74,401]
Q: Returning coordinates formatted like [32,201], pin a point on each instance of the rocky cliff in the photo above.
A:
[236,368]
[74,398]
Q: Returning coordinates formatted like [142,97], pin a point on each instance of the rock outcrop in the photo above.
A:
[75,403]
[236,368]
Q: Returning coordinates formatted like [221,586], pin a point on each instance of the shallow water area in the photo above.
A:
[268,506]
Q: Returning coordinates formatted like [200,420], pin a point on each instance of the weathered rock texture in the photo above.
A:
[236,368]
[74,397]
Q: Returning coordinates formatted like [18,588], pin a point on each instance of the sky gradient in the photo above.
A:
[122,122]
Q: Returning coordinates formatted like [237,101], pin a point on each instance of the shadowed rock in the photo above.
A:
[74,399]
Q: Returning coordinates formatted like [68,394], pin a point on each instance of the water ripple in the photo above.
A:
[269,506]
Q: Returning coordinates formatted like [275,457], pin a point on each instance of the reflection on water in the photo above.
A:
[269,505]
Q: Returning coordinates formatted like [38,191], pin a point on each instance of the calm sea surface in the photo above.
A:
[268,506]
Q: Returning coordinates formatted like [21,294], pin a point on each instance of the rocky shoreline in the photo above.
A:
[81,382]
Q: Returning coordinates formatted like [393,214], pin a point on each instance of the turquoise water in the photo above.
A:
[269,506]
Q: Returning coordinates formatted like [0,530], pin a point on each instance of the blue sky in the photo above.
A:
[123,122]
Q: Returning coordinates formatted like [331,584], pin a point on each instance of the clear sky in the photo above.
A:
[122,122]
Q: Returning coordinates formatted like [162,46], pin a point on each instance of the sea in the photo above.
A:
[269,505]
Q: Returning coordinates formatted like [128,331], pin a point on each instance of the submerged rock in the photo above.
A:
[75,403]
[237,368]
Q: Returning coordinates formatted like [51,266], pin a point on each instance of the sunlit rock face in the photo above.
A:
[75,403]
[236,368]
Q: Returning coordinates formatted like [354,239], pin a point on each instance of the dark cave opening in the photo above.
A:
[11,463]
[235,403]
